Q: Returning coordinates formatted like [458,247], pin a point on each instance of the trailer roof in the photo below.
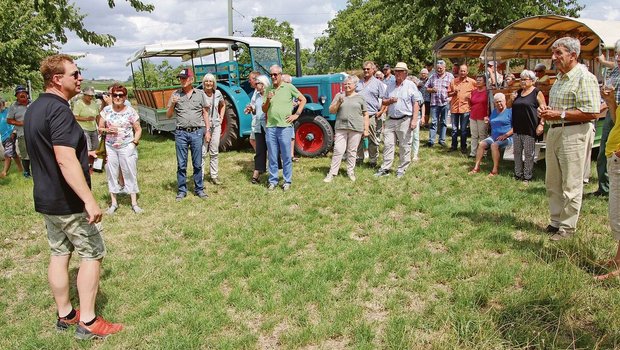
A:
[250,41]
[464,44]
[185,49]
[532,37]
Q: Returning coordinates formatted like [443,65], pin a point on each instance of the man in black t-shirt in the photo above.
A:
[59,159]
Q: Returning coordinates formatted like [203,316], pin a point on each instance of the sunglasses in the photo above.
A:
[118,95]
[274,74]
[365,69]
[75,74]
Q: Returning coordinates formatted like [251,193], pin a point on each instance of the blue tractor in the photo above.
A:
[314,135]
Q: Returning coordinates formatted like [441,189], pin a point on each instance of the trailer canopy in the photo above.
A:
[464,44]
[532,37]
[186,50]
[250,41]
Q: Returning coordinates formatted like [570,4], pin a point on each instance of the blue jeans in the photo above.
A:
[438,116]
[279,147]
[459,126]
[193,141]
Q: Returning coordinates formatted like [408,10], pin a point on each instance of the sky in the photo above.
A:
[174,20]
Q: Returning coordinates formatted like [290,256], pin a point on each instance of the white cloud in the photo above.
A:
[184,19]
[189,19]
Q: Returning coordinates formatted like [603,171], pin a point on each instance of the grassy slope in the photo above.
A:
[436,260]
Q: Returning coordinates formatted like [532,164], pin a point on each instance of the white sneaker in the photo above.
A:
[352,177]
[415,158]
[111,209]
[328,178]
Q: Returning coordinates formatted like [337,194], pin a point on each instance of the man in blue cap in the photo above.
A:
[16,118]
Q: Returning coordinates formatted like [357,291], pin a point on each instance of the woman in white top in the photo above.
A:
[121,125]
[216,106]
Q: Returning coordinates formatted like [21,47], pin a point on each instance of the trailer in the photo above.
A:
[152,100]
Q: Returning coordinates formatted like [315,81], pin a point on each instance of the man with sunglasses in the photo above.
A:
[62,194]
[372,90]
[190,106]
[278,106]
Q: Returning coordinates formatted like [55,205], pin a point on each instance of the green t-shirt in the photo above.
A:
[281,105]
[81,109]
[351,114]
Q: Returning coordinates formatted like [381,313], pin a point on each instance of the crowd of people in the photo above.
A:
[52,143]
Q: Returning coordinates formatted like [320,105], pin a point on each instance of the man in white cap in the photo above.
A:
[86,111]
[403,109]
[494,77]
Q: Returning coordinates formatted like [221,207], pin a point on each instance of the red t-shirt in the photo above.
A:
[479,105]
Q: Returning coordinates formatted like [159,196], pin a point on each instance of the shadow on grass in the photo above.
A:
[575,249]
[541,322]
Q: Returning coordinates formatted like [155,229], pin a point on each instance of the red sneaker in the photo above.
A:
[98,330]
[63,322]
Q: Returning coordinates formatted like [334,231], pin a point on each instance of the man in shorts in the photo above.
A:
[59,153]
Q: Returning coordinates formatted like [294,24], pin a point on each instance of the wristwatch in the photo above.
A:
[563,115]
[135,142]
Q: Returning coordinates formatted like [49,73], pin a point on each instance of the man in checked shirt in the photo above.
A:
[574,100]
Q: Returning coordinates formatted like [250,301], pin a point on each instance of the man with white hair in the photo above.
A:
[437,86]
[278,106]
[574,100]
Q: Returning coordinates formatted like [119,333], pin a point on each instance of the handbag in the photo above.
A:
[99,162]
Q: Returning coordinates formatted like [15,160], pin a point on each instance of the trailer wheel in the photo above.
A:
[314,136]
[230,128]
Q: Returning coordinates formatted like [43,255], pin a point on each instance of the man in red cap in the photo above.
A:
[190,106]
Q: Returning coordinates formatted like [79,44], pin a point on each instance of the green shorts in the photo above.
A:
[66,233]
[21,146]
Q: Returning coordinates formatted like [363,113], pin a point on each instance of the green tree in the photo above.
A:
[397,30]
[160,75]
[33,29]
[266,27]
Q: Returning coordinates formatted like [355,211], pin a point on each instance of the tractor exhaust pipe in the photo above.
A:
[298,72]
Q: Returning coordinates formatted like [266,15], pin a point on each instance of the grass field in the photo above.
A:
[436,260]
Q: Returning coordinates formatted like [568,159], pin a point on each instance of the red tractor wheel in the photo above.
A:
[314,136]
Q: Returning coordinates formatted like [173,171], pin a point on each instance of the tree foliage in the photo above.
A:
[266,27]
[159,75]
[33,29]
[388,31]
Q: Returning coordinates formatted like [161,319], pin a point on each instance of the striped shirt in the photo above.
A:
[577,89]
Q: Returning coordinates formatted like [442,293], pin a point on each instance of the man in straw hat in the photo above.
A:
[403,109]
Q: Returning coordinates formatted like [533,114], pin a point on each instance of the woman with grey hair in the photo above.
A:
[259,124]
[526,125]
[352,122]
[216,107]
